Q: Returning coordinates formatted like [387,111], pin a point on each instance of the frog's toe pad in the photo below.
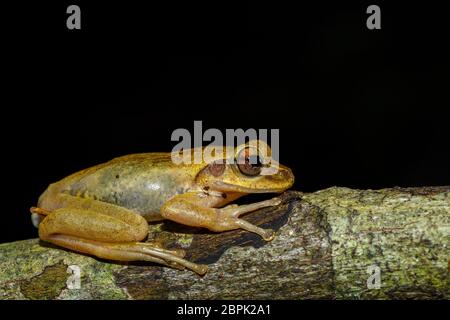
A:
[268,234]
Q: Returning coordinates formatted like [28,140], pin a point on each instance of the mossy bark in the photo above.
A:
[331,244]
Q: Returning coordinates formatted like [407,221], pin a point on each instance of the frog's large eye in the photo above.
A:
[217,168]
[248,163]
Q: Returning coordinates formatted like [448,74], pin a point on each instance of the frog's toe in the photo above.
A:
[275,201]
[268,234]
[158,247]
[201,269]
[178,252]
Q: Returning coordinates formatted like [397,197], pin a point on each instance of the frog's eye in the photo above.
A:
[249,164]
[217,168]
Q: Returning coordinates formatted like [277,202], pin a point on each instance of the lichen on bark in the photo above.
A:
[404,232]
[326,242]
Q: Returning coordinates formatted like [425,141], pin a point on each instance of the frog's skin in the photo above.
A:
[104,210]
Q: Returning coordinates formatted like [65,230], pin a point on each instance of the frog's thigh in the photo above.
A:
[183,209]
[111,236]
[94,225]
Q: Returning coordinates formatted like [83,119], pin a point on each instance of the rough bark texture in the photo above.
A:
[326,242]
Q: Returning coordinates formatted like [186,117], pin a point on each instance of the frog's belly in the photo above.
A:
[143,197]
[144,202]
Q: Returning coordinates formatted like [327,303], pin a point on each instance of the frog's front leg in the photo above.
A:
[106,231]
[185,209]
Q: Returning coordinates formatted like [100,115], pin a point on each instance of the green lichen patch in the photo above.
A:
[32,269]
[10,291]
[403,232]
[47,285]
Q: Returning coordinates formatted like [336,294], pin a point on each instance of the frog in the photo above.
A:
[105,210]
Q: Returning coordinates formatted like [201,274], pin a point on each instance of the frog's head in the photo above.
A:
[249,168]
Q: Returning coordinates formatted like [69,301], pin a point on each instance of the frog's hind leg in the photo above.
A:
[113,234]
[126,252]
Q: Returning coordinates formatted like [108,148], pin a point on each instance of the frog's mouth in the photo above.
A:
[224,187]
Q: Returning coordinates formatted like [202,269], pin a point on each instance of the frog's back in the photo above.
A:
[140,182]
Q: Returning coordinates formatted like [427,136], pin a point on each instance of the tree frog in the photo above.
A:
[104,210]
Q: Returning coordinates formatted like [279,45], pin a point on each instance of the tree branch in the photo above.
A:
[329,245]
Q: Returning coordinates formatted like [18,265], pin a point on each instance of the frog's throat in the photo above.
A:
[223,186]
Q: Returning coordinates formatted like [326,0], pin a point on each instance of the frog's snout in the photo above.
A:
[287,176]
[282,180]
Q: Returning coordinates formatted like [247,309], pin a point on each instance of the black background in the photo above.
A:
[355,107]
